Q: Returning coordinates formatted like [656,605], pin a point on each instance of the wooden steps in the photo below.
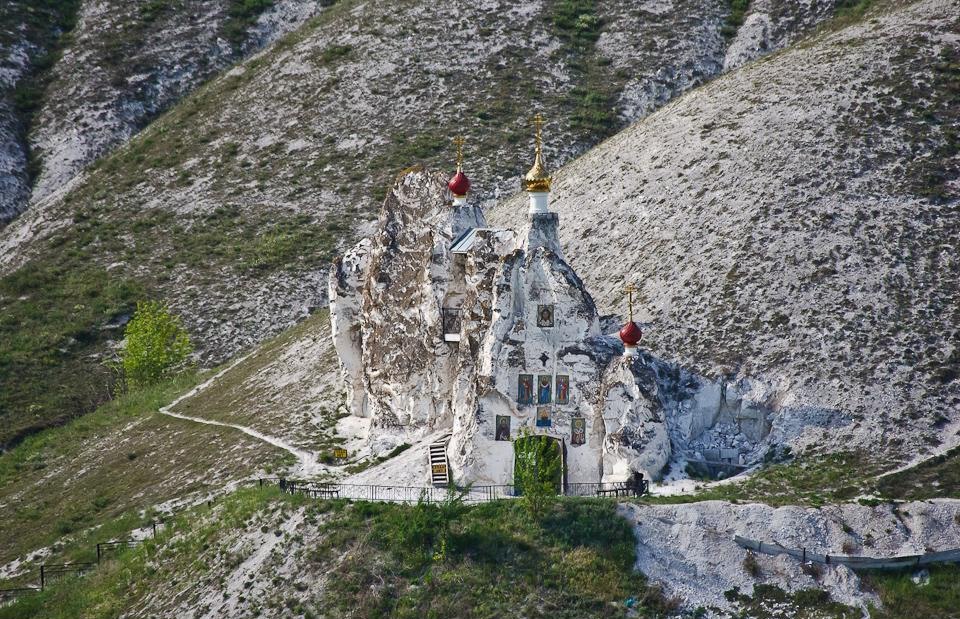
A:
[439,465]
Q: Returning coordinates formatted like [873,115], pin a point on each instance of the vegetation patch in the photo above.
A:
[120,459]
[770,601]
[738,11]
[904,596]
[380,560]
[577,23]
[933,478]
[813,480]
[243,15]
[54,321]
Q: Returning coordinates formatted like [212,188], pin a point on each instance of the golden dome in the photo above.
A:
[537,179]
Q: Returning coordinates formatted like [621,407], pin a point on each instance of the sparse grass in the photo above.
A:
[770,601]
[383,560]
[246,394]
[807,480]
[902,598]
[937,477]
[65,480]
[45,24]
[578,25]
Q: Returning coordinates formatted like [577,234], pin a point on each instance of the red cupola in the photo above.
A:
[459,184]
[630,334]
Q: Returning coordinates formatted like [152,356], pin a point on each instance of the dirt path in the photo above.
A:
[307,464]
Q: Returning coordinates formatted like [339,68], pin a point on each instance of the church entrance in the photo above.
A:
[538,458]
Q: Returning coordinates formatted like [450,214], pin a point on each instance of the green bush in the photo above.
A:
[157,345]
[538,472]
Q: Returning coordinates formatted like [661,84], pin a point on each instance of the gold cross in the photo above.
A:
[458,142]
[538,122]
[630,289]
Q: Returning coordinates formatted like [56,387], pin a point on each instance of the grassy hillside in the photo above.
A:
[367,560]
[289,386]
[230,205]
[119,460]
[259,553]
[792,222]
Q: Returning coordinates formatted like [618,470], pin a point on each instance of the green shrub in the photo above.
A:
[538,472]
[157,345]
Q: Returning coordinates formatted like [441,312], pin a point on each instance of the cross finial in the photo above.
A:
[459,142]
[630,289]
[538,122]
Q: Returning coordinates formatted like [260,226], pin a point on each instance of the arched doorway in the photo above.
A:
[540,455]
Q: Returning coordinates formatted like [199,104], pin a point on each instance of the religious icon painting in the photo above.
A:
[544,387]
[543,416]
[545,315]
[503,428]
[578,431]
[525,389]
[563,389]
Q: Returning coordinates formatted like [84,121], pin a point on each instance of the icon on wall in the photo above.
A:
[578,431]
[563,389]
[543,416]
[545,315]
[525,389]
[503,428]
[544,385]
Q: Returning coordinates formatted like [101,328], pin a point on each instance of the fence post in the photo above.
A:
[154,525]
[804,555]
[98,554]
[43,579]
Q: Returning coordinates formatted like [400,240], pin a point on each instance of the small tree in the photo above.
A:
[157,345]
[538,471]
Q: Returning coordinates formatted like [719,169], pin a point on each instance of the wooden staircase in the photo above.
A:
[439,465]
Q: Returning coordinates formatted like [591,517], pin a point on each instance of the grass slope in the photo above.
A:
[821,479]
[115,462]
[250,185]
[288,387]
[258,553]
[366,560]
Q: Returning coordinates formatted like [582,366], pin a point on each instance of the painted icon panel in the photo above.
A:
[543,416]
[503,428]
[578,431]
[544,387]
[525,389]
[563,389]
[545,315]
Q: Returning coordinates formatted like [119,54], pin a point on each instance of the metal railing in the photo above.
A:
[50,573]
[435,494]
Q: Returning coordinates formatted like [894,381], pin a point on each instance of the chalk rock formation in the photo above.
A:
[443,323]
[691,548]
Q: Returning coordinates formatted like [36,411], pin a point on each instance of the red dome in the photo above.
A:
[459,184]
[631,334]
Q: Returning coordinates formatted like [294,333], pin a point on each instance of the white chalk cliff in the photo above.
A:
[443,323]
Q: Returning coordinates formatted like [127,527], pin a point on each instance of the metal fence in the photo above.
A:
[437,494]
[50,573]
[852,561]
